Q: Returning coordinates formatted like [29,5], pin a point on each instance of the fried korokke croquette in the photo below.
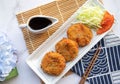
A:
[80,33]
[68,48]
[53,63]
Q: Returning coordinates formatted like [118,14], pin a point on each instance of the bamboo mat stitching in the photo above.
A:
[60,11]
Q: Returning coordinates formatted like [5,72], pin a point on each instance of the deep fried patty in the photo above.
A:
[80,33]
[68,48]
[53,63]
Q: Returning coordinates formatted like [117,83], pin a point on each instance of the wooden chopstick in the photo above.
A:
[89,68]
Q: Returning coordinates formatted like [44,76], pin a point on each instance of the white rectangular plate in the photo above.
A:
[34,60]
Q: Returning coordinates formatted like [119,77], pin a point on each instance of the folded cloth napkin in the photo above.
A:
[8,59]
[106,69]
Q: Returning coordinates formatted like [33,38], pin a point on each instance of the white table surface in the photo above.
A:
[9,25]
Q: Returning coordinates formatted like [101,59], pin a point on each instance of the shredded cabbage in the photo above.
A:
[91,16]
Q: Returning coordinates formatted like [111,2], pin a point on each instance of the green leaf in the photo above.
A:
[12,74]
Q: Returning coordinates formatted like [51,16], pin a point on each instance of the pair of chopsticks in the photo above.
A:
[89,68]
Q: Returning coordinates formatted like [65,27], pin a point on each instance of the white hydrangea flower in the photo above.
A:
[8,57]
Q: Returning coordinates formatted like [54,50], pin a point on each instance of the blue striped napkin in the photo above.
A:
[106,69]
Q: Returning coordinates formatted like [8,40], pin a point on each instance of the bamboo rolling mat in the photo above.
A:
[61,9]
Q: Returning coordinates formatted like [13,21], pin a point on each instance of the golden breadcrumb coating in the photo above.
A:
[53,63]
[68,48]
[80,33]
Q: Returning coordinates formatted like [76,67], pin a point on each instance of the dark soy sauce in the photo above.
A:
[39,23]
